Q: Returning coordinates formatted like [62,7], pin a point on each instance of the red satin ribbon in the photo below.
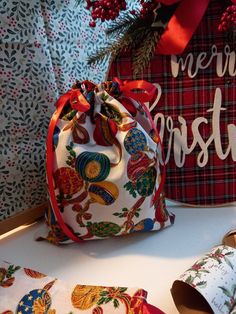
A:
[181,26]
[146,93]
[50,157]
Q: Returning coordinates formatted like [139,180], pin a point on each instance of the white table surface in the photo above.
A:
[151,261]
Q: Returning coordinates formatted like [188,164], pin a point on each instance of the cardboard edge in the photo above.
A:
[188,300]
[229,239]
[27,216]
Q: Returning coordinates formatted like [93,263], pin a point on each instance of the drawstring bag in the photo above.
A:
[103,165]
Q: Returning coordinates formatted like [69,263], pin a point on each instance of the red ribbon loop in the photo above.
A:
[181,26]
[78,101]
[147,91]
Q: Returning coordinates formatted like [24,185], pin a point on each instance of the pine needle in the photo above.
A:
[128,40]
[121,25]
[113,50]
[145,51]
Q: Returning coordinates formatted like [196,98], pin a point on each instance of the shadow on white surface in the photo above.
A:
[194,231]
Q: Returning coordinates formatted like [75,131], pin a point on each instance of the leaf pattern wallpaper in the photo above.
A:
[44,46]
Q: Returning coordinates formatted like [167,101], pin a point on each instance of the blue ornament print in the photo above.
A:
[143,225]
[36,301]
[135,141]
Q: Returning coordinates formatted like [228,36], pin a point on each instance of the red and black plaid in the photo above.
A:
[191,98]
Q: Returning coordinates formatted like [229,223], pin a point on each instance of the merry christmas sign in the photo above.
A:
[195,111]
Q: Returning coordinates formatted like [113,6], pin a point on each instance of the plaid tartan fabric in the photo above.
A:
[191,98]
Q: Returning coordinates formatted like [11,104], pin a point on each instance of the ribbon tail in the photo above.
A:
[182,26]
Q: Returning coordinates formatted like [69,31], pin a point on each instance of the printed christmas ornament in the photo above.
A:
[68,180]
[84,297]
[138,165]
[55,136]
[143,225]
[36,301]
[93,167]
[103,229]
[146,183]
[135,141]
[104,193]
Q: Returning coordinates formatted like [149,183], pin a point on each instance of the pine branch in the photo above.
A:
[132,32]
[118,27]
[113,50]
[128,40]
[145,51]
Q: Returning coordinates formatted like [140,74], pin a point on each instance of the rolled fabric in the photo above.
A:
[209,286]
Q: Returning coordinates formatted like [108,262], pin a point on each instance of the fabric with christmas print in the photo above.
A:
[24,291]
[214,277]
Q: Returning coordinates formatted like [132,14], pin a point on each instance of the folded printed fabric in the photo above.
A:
[209,286]
[26,291]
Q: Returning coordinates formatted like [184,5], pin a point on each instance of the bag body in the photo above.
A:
[103,166]
[195,114]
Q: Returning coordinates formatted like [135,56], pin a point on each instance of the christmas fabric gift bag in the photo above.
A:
[209,286]
[103,166]
[193,66]
[26,291]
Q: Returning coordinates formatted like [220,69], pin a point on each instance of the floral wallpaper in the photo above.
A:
[43,50]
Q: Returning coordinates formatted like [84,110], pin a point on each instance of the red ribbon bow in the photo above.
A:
[182,25]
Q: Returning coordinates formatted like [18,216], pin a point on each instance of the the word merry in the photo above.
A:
[225,62]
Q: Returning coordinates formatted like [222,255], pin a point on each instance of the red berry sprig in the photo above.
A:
[147,8]
[228,19]
[104,10]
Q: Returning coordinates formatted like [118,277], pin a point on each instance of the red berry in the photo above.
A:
[92,23]
[227,20]
[105,9]
[147,8]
